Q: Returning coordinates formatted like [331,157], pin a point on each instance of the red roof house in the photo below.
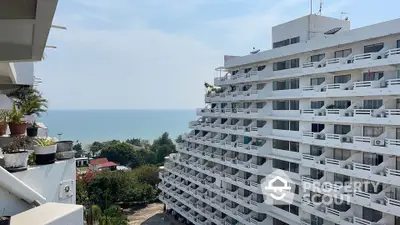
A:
[102,164]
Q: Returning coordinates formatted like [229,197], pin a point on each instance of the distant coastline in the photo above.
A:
[88,125]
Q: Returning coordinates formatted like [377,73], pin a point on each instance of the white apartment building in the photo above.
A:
[323,105]
[42,194]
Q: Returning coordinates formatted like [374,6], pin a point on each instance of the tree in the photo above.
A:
[120,152]
[179,139]
[147,174]
[163,146]
[77,147]
[134,141]
[96,147]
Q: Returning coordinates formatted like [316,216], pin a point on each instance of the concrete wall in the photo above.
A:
[24,72]
[45,180]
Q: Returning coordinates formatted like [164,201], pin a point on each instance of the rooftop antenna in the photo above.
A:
[320,7]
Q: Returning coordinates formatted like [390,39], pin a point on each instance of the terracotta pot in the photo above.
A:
[17,129]
[3,128]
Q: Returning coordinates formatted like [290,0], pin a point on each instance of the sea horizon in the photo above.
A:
[89,125]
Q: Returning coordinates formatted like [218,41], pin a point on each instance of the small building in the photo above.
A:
[102,164]
[82,162]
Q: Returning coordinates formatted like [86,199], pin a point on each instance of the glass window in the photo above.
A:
[341,154]
[341,129]
[315,150]
[343,53]
[317,58]
[372,159]
[294,63]
[315,127]
[398,43]
[342,79]
[294,83]
[294,104]
[294,146]
[371,76]
[261,68]
[294,40]
[260,105]
[316,173]
[294,167]
[280,144]
[373,48]
[294,125]
[280,105]
[260,86]
[294,209]
[280,85]
[370,131]
[341,104]
[235,72]
[281,124]
[317,104]
[316,81]
[315,220]
[247,70]
[371,215]
[373,104]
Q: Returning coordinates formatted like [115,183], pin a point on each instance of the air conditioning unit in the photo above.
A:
[349,166]
[348,114]
[378,142]
[380,201]
[320,114]
[234,161]
[319,136]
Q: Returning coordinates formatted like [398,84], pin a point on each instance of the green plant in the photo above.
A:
[15,115]
[44,141]
[30,100]
[4,114]
[17,144]
[33,125]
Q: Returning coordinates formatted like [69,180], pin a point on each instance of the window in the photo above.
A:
[235,72]
[316,127]
[341,129]
[260,105]
[316,81]
[370,131]
[285,84]
[317,58]
[315,150]
[371,215]
[285,145]
[343,53]
[294,40]
[284,165]
[283,65]
[315,220]
[294,167]
[285,105]
[316,174]
[247,70]
[371,76]
[341,154]
[342,79]
[278,222]
[343,179]
[373,48]
[317,104]
[398,43]
[373,104]
[260,86]
[286,42]
[294,125]
[261,68]
[341,104]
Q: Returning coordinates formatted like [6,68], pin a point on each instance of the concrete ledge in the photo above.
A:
[50,214]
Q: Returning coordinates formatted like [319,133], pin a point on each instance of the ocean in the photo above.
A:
[103,125]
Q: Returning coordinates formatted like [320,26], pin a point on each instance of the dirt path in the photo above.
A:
[151,215]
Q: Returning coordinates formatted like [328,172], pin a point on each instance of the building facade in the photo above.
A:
[323,105]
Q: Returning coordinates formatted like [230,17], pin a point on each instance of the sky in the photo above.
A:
[157,54]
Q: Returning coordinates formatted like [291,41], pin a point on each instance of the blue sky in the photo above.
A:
[156,54]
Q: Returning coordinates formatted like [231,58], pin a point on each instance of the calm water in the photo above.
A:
[102,125]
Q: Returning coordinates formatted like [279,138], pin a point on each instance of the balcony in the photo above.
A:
[50,213]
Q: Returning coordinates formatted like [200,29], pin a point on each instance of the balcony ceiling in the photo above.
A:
[24,28]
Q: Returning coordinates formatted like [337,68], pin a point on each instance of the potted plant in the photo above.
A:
[32,129]
[30,100]
[45,150]
[64,150]
[15,122]
[3,121]
[16,154]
